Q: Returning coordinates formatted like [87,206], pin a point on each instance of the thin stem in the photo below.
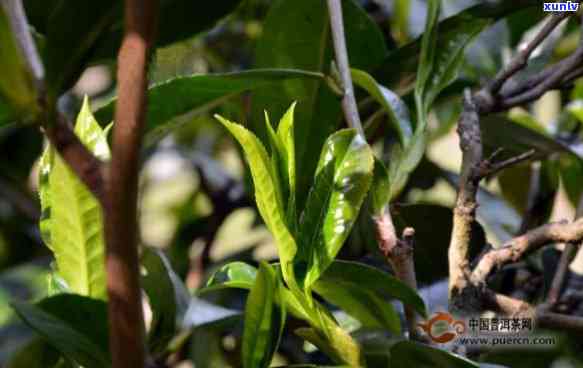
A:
[126,320]
[348,101]
[521,59]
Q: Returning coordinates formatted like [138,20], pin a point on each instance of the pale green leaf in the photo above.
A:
[268,203]
[72,223]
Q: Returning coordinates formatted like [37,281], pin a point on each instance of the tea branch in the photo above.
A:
[398,252]
[126,320]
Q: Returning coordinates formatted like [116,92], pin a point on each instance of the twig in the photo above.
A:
[512,251]
[489,168]
[126,321]
[521,59]
[348,101]
[559,278]
[542,317]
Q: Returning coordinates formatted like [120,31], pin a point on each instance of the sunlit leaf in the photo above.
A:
[335,343]
[296,34]
[71,223]
[341,183]
[232,275]
[270,206]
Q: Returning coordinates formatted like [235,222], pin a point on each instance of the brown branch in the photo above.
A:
[399,253]
[515,249]
[543,318]
[559,278]
[521,59]
[552,77]
[462,297]
[83,163]
[126,321]
[348,101]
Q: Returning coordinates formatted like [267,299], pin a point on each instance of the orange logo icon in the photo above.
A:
[452,326]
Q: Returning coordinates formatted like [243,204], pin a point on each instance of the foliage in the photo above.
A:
[285,215]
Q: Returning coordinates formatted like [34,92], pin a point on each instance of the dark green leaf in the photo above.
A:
[72,324]
[263,321]
[35,354]
[167,295]
[392,104]
[403,161]
[178,20]
[354,276]
[363,304]
[380,191]
[427,59]
[399,70]
[202,314]
[433,224]
[72,31]
[199,93]
[499,132]
[412,354]
[341,183]
[296,34]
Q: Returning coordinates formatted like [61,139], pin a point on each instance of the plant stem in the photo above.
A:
[348,100]
[126,322]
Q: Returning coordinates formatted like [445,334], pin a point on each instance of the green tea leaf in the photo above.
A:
[17,83]
[74,325]
[404,160]
[72,31]
[242,276]
[296,34]
[427,58]
[35,354]
[197,94]
[263,321]
[398,71]
[364,305]
[335,343]
[268,202]
[167,296]
[178,20]
[392,104]
[71,222]
[341,183]
[380,190]
[412,354]
[353,276]
[233,275]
